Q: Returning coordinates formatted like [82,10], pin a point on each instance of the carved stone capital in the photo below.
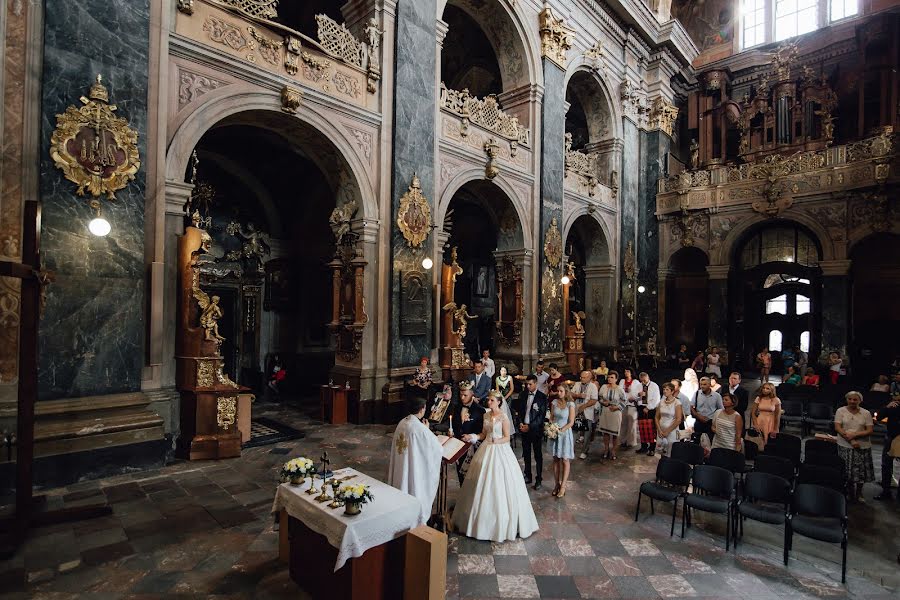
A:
[835,268]
[556,37]
[718,271]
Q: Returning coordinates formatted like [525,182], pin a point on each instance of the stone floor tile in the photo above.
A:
[557,586]
[475,564]
[634,587]
[548,565]
[596,587]
[584,565]
[478,586]
[511,565]
[671,586]
[518,586]
[620,566]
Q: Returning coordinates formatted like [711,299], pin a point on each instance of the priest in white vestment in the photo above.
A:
[416,459]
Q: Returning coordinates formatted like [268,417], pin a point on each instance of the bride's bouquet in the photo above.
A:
[551,431]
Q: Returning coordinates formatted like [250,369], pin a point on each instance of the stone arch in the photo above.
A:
[267,104]
[603,254]
[477,174]
[724,254]
[585,66]
[508,31]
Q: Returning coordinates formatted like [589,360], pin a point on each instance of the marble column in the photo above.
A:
[628,215]
[662,277]
[654,147]
[835,307]
[553,132]
[92,330]
[415,102]
[718,306]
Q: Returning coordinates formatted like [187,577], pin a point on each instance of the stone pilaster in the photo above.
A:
[835,307]
[718,305]
[553,131]
[415,106]
[600,306]
[92,331]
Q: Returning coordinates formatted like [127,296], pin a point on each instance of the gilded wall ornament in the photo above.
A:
[226,411]
[414,215]
[628,263]
[492,150]
[553,244]
[663,116]
[290,99]
[206,373]
[94,148]
[556,37]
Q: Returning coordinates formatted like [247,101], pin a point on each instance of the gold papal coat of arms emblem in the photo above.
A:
[95,149]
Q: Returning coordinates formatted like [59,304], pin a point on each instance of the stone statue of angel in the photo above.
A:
[254,247]
[210,315]
[460,318]
[340,219]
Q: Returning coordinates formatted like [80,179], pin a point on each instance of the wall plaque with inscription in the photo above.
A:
[413,297]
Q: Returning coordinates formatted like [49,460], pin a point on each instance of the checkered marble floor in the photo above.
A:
[204,530]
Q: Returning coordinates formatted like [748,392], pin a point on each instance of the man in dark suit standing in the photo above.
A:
[481,383]
[467,417]
[743,398]
[529,413]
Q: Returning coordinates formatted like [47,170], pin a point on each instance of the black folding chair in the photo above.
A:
[786,446]
[672,479]
[730,460]
[688,452]
[825,460]
[814,446]
[766,499]
[792,413]
[774,465]
[713,491]
[819,513]
[818,415]
[825,476]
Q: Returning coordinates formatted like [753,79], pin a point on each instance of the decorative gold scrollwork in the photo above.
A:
[553,244]
[414,215]
[226,411]
[93,147]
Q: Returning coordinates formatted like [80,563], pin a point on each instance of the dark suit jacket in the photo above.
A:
[743,401]
[484,386]
[473,425]
[538,412]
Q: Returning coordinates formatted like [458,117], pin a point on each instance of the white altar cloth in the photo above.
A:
[389,516]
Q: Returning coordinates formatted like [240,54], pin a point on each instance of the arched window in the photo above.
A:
[804,341]
[775,341]
[802,305]
[781,243]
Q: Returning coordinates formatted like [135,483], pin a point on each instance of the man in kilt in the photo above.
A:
[646,409]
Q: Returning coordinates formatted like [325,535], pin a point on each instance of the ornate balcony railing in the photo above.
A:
[582,163]
[484,113]
[878,147]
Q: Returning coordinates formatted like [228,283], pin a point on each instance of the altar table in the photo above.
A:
[334,555]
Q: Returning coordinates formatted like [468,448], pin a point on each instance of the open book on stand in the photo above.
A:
[453,448]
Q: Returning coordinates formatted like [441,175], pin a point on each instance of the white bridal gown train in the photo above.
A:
[493,503]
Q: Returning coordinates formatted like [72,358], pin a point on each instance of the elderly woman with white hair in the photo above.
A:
[854,427]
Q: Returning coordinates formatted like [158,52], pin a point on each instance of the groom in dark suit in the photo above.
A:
[529,412]
[466,417]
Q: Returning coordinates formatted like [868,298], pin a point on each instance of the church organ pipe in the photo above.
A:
[783,121]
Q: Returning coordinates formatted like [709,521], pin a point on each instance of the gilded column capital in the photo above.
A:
[663,115]
[556,36]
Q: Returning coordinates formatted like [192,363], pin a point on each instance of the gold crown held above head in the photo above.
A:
[466,385]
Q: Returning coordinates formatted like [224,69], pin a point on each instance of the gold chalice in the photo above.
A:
[324,497]
[312,485]
[335,484]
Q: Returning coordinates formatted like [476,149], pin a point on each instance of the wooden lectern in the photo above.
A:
[209,399]
[338,404]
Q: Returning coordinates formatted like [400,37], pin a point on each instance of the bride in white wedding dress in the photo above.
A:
[493,503]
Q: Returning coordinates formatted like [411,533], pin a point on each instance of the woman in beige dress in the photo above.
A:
[766,415]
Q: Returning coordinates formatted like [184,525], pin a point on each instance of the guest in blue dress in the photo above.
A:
[562,413]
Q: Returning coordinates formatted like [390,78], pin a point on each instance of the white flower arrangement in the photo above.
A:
[297,468]
[357,493]
[551,431]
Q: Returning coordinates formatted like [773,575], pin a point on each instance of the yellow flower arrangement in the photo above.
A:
[355,493]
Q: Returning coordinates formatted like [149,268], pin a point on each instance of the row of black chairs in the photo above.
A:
[808,509]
